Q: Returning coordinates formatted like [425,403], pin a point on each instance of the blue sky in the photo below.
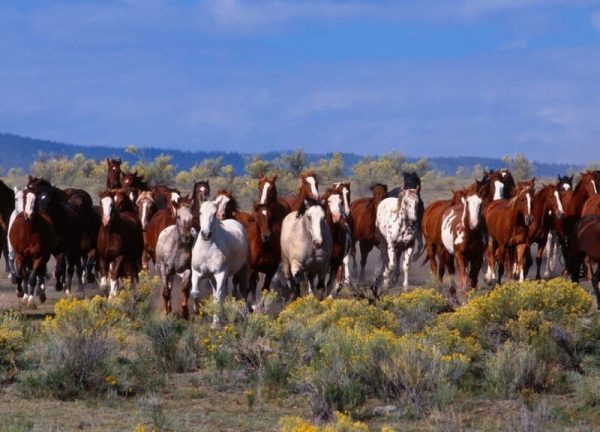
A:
[428,78]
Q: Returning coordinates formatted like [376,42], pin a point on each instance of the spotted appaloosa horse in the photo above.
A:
[363,214]
[174,255]
[200,193]
[120,240]
[548,210]
[397,227]
[308,188]
[412,181]
[32,236]
[113,176]
[463,237]
[508,222]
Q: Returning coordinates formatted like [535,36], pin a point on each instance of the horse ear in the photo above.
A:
[261,176]
[275,177]
[107,162]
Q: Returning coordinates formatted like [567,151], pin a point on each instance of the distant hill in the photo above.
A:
[21,152]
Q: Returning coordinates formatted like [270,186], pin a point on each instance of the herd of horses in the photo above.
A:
[307,237]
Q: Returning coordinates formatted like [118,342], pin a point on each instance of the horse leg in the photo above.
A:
[19,275]
[103,273]
[219,293]
[431,249]
[491,263]
[522,248]
[476,264]
[70,266]
[365,249]
[462,276]
[185,289]
[527,261]
[550,255]
[59,270]
[39,270]
[253,283]
[89,266]
[588,267]
[501,258]
[165,279]
[114,271]
[595,281]
[539,257]
[195,291]
[242,279]
[388,255]
[79,273]
[406,265]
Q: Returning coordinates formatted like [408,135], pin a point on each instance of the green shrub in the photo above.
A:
[13,342]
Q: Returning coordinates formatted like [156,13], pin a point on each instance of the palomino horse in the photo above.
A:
[463,237]
[113,176]
[586,242]
[7,206]
[305,247]
[32,237]
[200,193]
[396,224]
[220,252]
[174,255]
[265,250]
[342,240]
[507,222]
[308,188]
[547,209]
[227,208]
[363,214]
[120,240]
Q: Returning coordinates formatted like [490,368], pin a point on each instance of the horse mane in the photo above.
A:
[306,204]
[411,180]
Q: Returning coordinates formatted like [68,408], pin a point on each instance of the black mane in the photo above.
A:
[306,204]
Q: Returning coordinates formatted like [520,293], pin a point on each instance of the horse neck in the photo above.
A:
[580,195]
[377,198]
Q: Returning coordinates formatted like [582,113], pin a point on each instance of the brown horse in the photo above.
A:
[227,208]
[120,240]
[7,206]
[341,237]
[33,238]
[547,210]
[463,237]
[160,220]
[586,242]
[134,183]
[308,188]
[200,193]
[507,222]
[265,250]
[146,207]
[363,214]
[113,176]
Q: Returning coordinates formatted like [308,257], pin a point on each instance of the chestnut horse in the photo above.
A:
[32,238]
[134,184]
[547,209]
[160,220]
[200,193]
[586,242]
[113,176]
[120,240]
[508,224]
[363,214]
[146,207]
[308,188]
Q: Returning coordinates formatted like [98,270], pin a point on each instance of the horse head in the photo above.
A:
[564,183]
[335,204]
[19,199]
[262,215]
[201,191]
[107,202]
[146,206]
[30,203]
[113,178]
[471,200]
[588,181]
[407,205]
[553,201]
[312,210]
[226,204]
[344,189]
[183,215]
[208,219]
[309,185]
[266,186]
[379,191]
[412,181]
[524,199]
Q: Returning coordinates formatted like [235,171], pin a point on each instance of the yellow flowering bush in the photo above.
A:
[12,343]
[342,423]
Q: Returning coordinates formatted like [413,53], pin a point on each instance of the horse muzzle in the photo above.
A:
[105,221]
[265,237]
[205,236]
[560,214]
[528,219]
[317,244]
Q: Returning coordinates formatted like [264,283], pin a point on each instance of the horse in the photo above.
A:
[306,247]
[174,256]
[264,248]
[341,235]
[113,176]
[397,227]
[19,206]
[7,206]
[221,251]
[586,242]
[508,222]
[227,208]
[160,220]
[463,237]
[547,209]
[200,193]
[412,181]
[308,188]
[134,183]
[120,240]
[363,214]
[146,207]
[32,237]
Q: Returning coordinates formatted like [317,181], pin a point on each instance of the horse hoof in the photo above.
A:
[42,297]
[59,286]
[68,292]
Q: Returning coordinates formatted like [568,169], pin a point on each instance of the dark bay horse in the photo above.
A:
[508,229]
[547,210]
[113,176]
[586,242]
[363,214]
[134,184]
[120,240]
[7,206]
[32,237]
[341,237]
[308,188]
[200,193]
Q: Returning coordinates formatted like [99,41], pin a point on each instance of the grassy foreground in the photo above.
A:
[521,357]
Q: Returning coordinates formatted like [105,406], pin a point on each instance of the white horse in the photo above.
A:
[221,251]
[306,246]
[19,207]
[397,228]
[174,255]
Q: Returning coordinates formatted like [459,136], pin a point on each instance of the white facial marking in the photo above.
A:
[566,186]
[335,206]
[528,196]
[503,174]
[107,204]
[144,213]
[345,193]
[19,204]
[594,184]
[313,186]
[263,196]
[264,212]
[29,203]
[175,197]
[498,189]
[558,202]
[316,215]
[474,204]
[131,196]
